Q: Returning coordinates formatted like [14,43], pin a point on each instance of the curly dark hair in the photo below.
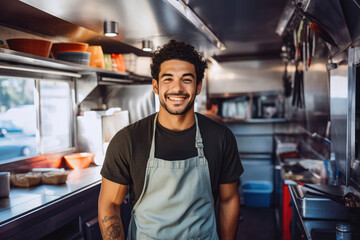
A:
[180,51]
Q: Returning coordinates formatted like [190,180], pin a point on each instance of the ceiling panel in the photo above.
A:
[247,28]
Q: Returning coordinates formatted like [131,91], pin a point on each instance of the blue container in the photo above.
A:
[257,193]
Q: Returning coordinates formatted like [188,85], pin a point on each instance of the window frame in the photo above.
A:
[38,75]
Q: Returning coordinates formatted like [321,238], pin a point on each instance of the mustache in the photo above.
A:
[177,94]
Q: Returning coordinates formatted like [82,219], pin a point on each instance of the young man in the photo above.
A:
[176,164]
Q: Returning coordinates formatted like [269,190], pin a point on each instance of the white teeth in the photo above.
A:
[176,99]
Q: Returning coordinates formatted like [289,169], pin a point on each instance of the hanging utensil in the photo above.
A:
[295,43]
[308,46]
[286,82]
[301,90]
[298,48]
[296,86]
[313,45]
[304,48]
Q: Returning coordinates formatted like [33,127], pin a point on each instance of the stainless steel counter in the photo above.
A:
[305,226]
[24,201]
[318,225]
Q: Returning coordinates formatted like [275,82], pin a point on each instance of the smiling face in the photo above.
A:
[177,87]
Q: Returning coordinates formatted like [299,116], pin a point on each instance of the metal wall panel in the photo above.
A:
[245,77]
[139,100]
[316,83]
[338,102]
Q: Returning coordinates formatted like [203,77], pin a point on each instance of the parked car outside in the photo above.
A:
[17,132]
[16,145]
[22,116]
[9,126]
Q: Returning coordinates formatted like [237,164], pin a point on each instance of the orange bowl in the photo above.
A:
[68,47]
[37,47]
[79,160]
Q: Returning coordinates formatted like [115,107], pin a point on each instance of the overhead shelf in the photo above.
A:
[13,60]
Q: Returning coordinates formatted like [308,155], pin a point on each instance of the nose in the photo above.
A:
[177,86]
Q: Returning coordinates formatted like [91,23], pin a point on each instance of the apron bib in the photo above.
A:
[176,201]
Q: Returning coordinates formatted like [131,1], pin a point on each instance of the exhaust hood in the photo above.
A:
[329,18]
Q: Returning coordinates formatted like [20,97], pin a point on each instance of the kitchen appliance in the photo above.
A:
[314,206]
[95,129]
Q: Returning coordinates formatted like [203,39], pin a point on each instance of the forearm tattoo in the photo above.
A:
[114,230]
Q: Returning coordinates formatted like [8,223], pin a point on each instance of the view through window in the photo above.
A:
[19,125]
[17,118]
[55,108]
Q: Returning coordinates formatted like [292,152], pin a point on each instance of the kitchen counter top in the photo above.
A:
[316,227]
[24,201]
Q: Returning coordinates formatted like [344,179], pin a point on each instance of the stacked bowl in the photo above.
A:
[75,52]
[39,47]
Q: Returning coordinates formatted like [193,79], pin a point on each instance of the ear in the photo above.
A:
[198,88]
[155,86]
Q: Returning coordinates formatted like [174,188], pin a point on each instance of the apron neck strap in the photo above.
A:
[152,149]
[198,140]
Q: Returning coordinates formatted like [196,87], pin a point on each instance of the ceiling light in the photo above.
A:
[147,45]
[111,28]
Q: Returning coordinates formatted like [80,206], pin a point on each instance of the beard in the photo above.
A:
[177,111]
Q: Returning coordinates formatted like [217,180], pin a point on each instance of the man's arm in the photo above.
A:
[229,208]
[111,196]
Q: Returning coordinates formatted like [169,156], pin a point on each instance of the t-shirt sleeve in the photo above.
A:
[231,168]
[116,163]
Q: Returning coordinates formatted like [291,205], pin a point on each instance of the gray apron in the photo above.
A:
[176,201]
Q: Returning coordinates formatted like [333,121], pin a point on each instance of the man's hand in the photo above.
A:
[110,198]
[228,210]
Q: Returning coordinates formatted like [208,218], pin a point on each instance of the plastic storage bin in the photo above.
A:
[256,170]
[257,193]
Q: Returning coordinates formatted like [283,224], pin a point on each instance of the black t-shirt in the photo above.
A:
[128,152]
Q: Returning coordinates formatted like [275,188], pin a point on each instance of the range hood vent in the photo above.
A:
[327,15]
[90,81]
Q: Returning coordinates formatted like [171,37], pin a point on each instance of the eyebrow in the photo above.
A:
[171,75]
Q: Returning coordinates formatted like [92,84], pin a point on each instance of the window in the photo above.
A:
[17,118]
[55,112]
[35,117]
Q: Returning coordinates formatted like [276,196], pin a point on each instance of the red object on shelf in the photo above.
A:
[118,63]
[39,47]
[286,212]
